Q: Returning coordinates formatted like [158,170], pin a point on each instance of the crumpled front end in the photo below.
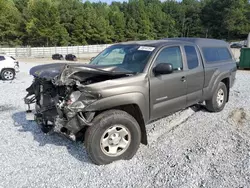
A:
[60,102]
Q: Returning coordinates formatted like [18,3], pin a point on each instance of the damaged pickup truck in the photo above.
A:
[108,102]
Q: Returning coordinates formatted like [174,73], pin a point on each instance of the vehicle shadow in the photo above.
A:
[76,149]
[199,107]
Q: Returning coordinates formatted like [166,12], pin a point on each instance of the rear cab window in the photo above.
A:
[213,54]
[192,57]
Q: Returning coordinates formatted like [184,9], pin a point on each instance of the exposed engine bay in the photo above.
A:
[60,96]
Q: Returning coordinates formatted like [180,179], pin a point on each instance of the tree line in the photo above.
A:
[73,22]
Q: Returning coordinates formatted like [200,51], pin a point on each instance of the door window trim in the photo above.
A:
[152,65]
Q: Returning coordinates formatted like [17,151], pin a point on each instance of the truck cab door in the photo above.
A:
[168,91]
[195,75]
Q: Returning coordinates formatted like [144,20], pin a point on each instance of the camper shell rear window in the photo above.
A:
[215,54]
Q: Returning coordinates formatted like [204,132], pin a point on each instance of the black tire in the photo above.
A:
[8,74]
[101,124]
[213,105]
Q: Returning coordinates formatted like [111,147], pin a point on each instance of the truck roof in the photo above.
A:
[201,42]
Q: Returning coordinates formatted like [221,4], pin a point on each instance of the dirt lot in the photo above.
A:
[187,149]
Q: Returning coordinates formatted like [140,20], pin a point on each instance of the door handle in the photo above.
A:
[183,78]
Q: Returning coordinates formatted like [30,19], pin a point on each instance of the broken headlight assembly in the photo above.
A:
[85,97]
[77,101]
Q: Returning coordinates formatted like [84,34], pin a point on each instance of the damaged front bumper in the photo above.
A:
[54,112]
[60,95]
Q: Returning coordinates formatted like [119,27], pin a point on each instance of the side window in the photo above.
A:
[224,54]
[2,58]
[171,55]
[192,58]
[211,54]
[216,54]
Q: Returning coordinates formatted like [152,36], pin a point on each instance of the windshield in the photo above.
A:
[130,57]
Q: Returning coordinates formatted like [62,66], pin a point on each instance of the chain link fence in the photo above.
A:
[43,52]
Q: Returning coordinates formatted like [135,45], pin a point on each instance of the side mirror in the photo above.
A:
[163,68]
[92,58]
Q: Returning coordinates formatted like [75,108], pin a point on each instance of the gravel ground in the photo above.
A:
[187,149]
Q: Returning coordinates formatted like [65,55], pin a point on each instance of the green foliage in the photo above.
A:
[10,20]
[117,21]
[237,18]
[43,24]
[74,22]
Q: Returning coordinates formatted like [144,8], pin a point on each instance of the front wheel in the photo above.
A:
[218,100]
[114,135]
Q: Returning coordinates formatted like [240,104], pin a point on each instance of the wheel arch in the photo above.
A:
[134,104]
[224,78]
[226,81]
[135,112]
[7,69]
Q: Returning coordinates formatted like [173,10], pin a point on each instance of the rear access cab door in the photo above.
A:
[195,74]
[177,90]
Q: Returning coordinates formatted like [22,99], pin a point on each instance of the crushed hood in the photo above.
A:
[66,73]
[48,71]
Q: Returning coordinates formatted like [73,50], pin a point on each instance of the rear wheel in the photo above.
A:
[218,100]
[114,135]
[8,74]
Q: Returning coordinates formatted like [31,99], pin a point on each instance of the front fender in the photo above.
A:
[122,99]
